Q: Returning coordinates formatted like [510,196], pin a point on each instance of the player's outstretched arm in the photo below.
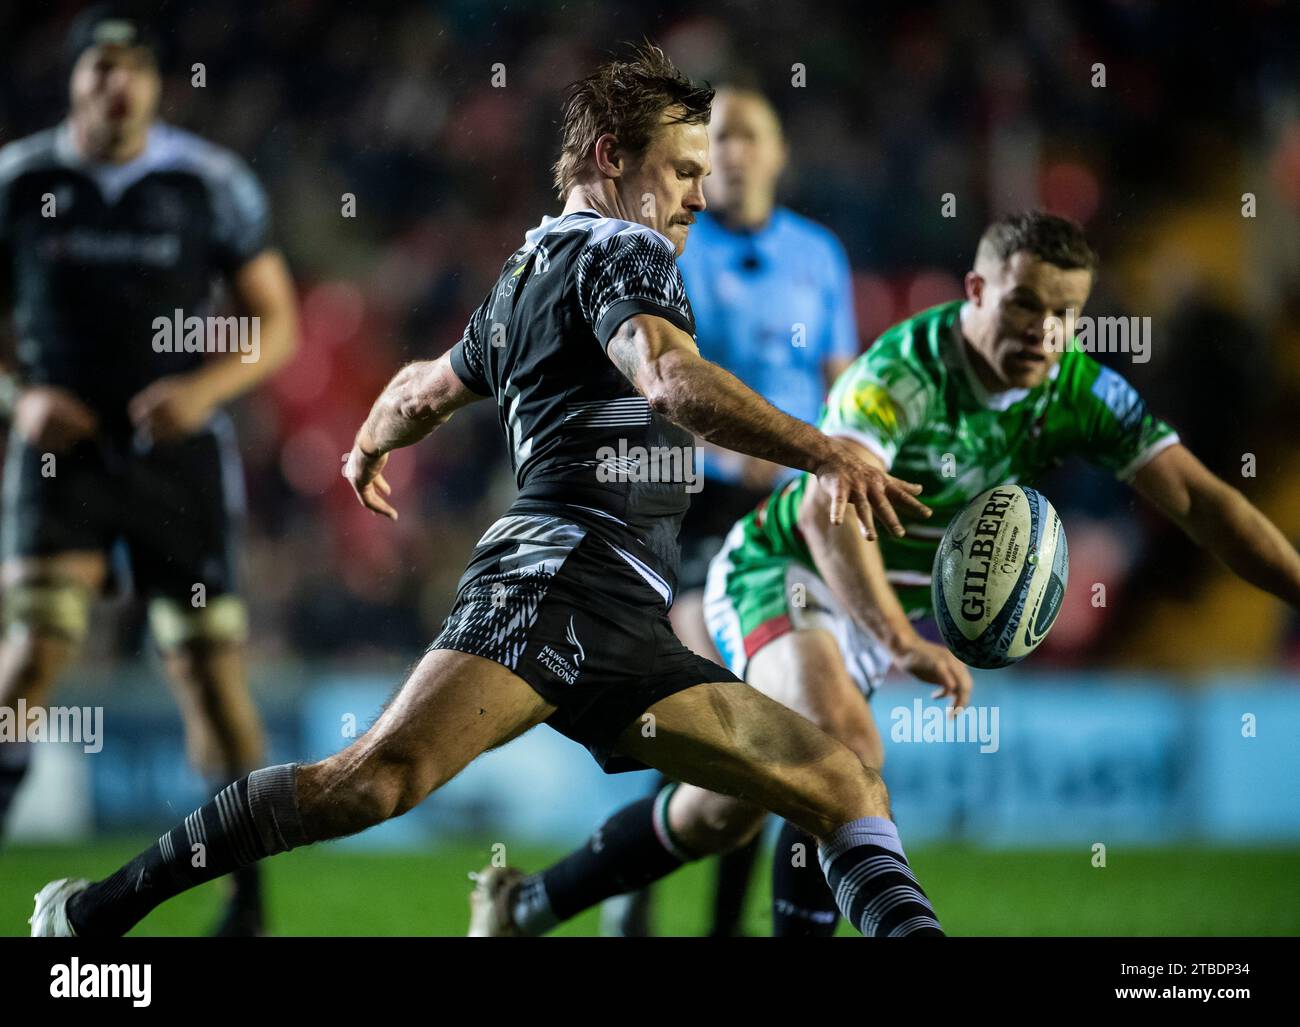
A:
[420,397]
[1220,519]
[663,363]
[855,573]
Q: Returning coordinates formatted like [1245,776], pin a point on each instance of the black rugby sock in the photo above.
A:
[627,852]
[802,903]
[245,881]
[253,818]
[735,868]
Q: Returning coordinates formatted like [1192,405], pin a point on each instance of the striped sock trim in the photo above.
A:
[659,820]
[273,805]
[879,831]
[916,925]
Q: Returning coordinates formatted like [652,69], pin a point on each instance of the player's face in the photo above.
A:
[1012,304]
[665,188]
[747,150]
[115,90]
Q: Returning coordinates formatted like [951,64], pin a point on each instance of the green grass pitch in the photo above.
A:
[327,890]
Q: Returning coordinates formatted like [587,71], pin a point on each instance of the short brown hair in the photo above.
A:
[1049,237]
[626,98]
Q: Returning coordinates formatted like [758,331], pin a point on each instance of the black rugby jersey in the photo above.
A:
[584,444]
[127,243]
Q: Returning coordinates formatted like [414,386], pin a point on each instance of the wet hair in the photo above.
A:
[626,98]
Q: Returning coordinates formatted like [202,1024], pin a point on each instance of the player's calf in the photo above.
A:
[705,823]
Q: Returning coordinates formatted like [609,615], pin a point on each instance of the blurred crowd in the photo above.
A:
[435,125]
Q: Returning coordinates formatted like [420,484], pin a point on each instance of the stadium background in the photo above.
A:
[1125,730]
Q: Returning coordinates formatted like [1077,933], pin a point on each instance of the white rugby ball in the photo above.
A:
[999,576]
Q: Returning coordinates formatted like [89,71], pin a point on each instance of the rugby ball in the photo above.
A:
[999,576]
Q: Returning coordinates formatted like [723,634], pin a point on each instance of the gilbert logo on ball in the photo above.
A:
[999,576]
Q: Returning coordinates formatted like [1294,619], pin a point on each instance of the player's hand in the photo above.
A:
[169,409]
[938,666]
[52,419]
[362,471]
[848,478]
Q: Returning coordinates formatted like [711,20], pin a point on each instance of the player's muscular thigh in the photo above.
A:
[804,671]
[452,708]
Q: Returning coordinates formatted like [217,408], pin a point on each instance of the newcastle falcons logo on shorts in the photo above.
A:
[564,667]
[572,637]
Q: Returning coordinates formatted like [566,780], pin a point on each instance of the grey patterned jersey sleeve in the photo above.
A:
[467,355]
[631,272]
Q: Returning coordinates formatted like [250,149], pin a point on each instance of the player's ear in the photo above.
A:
[608,157]
[974,283]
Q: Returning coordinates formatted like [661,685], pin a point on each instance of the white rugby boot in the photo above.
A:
[50,918]
[489,902]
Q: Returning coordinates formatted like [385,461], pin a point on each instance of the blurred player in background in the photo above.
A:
[118,449]
[962,397]
[772,295]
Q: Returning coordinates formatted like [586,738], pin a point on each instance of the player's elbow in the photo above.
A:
[667,384]
[419,395]
[1211,504]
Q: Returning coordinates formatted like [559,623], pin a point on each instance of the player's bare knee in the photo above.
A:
[707,822]
[874,797]
[845,789]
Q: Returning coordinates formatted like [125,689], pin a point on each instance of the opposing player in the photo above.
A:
[960,398]
[772,296]
[585,344]
[110,223]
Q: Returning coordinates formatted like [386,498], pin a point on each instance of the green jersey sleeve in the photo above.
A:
[1115,430]
[878,399]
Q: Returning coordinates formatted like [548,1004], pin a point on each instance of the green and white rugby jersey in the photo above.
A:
[914,400]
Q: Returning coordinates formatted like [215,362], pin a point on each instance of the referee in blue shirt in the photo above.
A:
[773,302]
